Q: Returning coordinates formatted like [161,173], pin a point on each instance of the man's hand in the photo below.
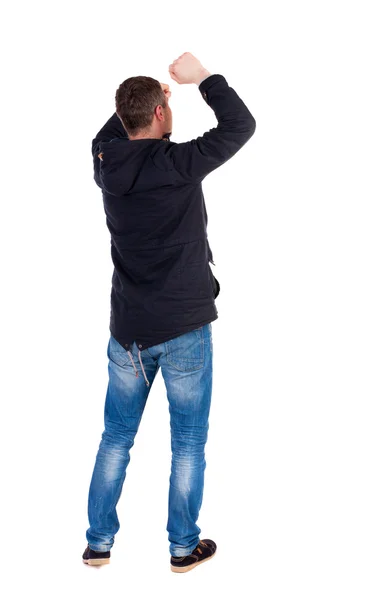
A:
[187,69]
[166,88]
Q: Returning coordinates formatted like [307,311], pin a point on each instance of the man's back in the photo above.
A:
[162,285]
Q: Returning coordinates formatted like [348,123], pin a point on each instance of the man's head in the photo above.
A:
[142,105]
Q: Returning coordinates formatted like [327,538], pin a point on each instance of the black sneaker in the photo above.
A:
[93,558]
[203,551]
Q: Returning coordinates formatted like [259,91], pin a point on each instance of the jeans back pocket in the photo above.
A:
[186,352]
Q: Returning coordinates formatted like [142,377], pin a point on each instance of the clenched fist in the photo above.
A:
[166,88]
[187,69]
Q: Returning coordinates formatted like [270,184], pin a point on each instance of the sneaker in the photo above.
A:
[203,551]
[93,558]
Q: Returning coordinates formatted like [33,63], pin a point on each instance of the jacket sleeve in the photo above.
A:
[113,128]
[236,125]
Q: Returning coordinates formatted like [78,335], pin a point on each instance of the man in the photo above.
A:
[163,293]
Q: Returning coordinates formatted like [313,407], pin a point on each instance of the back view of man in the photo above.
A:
[163,294]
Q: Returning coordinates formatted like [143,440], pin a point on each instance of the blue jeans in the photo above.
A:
[186,363]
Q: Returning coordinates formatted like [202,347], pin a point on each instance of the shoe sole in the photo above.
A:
[95,562]
[189,567]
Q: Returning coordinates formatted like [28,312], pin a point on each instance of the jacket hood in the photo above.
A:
[121,162]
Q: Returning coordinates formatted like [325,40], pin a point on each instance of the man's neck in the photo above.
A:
[164,136]
[146,136]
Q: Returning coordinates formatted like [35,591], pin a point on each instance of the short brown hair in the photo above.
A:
[136,100]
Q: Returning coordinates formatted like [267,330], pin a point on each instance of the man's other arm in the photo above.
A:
[113,128]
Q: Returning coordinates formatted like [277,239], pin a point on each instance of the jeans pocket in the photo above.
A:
[186,352]
[116,353]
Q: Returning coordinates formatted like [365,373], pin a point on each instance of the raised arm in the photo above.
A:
[236,125]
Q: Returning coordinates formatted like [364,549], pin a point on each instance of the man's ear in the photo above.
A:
[159,112]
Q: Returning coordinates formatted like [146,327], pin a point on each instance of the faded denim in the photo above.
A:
[186,362]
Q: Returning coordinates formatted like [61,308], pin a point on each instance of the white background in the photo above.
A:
[291,491]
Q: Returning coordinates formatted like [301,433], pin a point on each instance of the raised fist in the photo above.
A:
[187,69]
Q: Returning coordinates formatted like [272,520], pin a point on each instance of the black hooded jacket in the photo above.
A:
[162,282]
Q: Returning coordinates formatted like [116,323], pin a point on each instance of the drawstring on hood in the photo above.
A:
[135,368]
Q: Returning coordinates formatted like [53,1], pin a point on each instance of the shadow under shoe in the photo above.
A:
[203,552]
[95,559]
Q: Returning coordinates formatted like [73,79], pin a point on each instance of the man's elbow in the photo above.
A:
[247,130]
[252,126]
